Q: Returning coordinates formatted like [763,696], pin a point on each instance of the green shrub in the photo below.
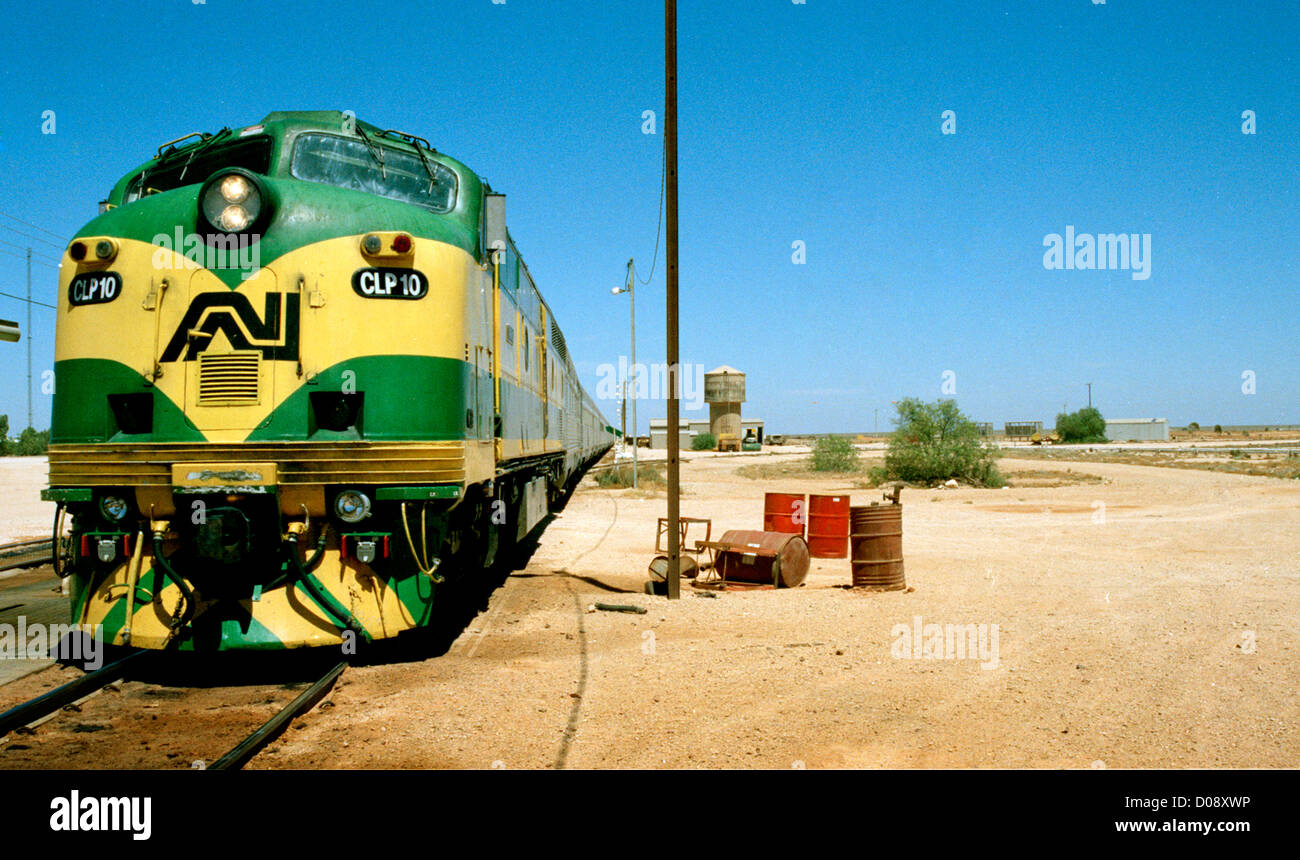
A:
[935,442]
[1086,425]
[1218,428]
[4,435]
[31,443]
[1193,426]
[835,454]
[704,442]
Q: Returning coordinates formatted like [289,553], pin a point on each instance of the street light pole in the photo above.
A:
[629,287]
[1089,395]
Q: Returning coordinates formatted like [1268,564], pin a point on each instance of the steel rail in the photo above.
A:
[47,703]
[26,553]
[249,746]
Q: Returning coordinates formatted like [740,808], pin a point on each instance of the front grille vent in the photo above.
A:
[229,379]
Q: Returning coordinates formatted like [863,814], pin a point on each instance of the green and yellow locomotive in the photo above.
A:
[302,379]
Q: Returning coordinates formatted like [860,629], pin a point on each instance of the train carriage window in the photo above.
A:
[349,163]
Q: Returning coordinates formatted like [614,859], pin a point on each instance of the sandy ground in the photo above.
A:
[22,513]
[1160,630]
[1149,620]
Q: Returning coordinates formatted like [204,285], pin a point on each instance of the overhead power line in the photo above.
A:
[58,245]
[654,261]
[33,226]
[25,248]
[24,257]
[31,301]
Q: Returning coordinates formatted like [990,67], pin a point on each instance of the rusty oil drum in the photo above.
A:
[781,559]
[876,538]
[828,526]
[784,512]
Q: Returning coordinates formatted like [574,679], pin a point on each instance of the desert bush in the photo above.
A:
[1086,425]
[835,454]
[704,442]
[935,442]
[621,476]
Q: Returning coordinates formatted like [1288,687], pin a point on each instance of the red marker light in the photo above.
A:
[401,243]
[77,251]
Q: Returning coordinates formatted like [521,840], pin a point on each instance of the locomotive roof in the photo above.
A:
[282,125]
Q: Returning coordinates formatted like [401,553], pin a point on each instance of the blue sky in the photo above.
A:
[817,123]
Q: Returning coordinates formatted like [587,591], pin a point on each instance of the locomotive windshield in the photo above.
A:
[178,168]
[352,163]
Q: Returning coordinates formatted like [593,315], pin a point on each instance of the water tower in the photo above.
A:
[724,391]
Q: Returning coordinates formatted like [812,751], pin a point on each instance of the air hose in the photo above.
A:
[426,568]
[342,617]
[187,596]
[58,539]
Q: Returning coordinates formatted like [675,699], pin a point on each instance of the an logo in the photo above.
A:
[233,315]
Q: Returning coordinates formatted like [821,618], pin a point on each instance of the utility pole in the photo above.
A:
[674,371]
[29,337]
[1089,395]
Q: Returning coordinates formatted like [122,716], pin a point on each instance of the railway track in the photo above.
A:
[29,553]
[47,705]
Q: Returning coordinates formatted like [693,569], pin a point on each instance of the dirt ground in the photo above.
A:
[1145,617]
[1146,621]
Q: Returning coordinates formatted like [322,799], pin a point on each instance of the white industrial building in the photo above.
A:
[692,427]
[1137,429]
[659,434]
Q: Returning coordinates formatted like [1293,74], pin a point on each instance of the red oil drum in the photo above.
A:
[877,541]
[775,558]
[784,512]
[828,526]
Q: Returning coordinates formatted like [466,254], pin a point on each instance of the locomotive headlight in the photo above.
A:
[233,219]
[235,188]
[114,508]
[352,506]
[232,202]
[105,249]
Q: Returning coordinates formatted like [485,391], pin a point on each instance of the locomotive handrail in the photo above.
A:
[201,135]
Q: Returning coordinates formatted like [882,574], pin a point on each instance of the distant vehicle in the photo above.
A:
[775,439]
